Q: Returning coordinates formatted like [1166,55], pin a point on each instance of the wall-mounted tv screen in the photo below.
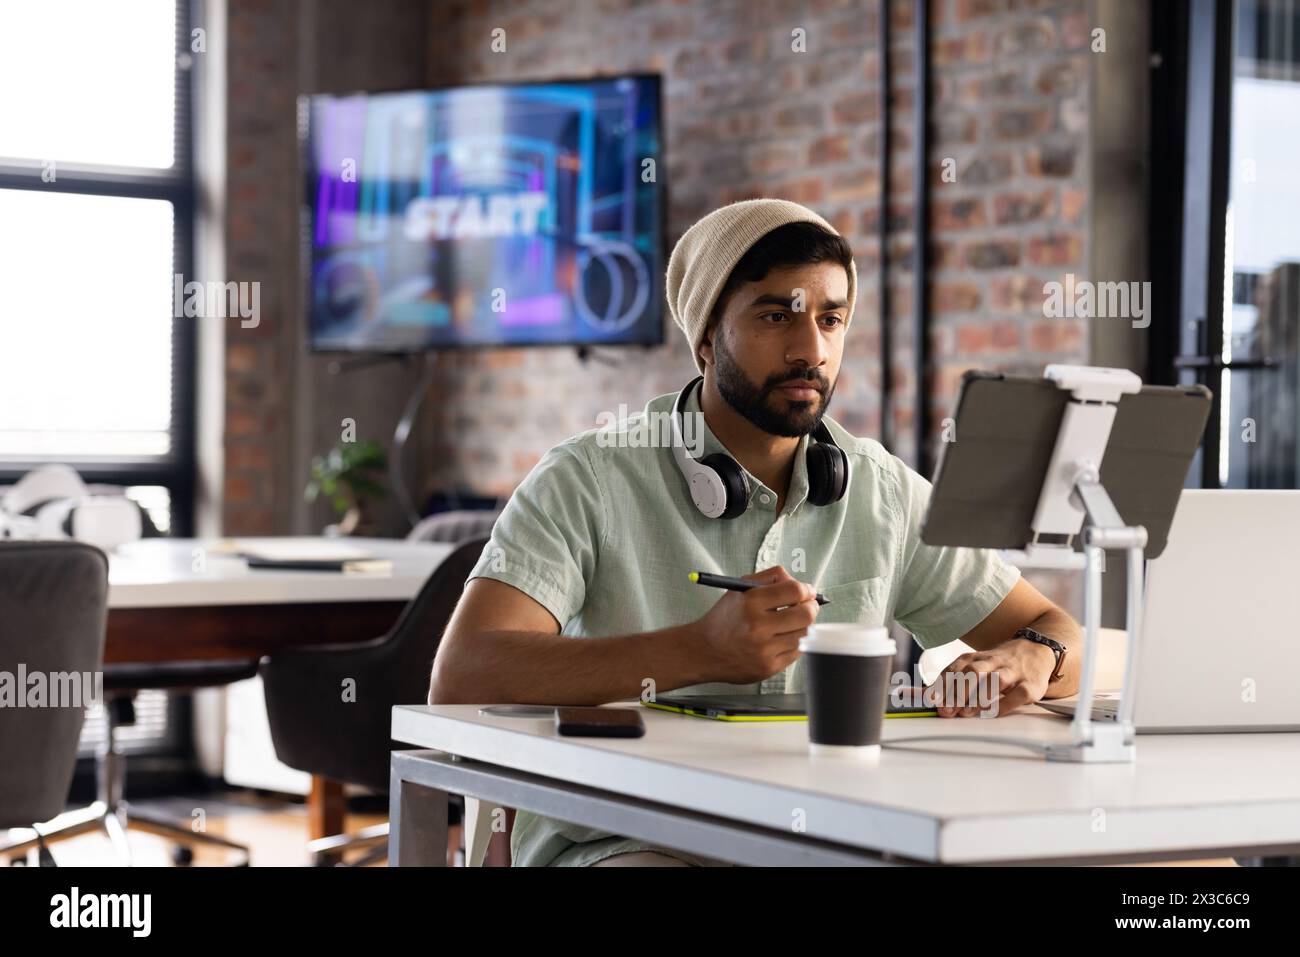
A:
[507,215]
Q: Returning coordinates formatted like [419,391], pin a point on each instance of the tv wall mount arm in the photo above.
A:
[402,432]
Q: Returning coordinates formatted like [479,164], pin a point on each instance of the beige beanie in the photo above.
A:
[703,259]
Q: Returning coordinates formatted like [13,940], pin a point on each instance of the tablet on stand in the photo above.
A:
[1056,471]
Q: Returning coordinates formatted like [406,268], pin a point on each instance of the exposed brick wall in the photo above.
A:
[1010,102]
[282,406]
[259,359]
[745,116]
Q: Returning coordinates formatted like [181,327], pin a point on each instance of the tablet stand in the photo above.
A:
[1073,499]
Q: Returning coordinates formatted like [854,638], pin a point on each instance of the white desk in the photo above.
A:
[174,599]
[184,600]
[738,791]
[162,572]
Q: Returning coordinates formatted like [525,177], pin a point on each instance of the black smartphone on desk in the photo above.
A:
[599,722]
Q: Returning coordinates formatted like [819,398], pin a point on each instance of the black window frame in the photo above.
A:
[1193,54]
[175,471]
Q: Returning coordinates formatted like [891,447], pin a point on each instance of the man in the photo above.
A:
[582,596]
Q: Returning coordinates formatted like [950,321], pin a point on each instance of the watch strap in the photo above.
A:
[1058,649]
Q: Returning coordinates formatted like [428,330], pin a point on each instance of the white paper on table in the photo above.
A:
[302,550]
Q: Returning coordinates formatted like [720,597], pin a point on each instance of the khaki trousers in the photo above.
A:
[641,859]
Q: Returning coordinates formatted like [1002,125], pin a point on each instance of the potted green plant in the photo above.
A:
[348,476]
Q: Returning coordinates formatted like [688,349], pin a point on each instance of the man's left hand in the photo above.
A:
[994,682]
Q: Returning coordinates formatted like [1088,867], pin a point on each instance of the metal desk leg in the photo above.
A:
[1282,860]
[417,817]
[478,830]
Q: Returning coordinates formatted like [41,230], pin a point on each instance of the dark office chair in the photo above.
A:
[53,607]
[121,682]
[330,707]
[456,526]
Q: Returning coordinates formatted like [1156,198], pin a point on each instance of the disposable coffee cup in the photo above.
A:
[847,667]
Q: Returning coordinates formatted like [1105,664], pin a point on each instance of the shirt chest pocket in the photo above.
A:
[863,602]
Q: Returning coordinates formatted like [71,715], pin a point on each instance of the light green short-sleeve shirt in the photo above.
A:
[602,533]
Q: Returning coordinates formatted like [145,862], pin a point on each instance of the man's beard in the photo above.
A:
[798,419]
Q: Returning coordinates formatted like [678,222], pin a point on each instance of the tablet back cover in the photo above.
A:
[989,477]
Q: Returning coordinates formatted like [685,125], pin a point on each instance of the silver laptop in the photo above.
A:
[1220,643]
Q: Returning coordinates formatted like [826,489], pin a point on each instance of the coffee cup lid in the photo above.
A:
[846,638]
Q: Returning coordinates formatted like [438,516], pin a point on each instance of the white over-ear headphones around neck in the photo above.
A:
[719,486]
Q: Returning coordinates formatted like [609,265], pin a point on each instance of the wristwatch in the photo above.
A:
[1058,648]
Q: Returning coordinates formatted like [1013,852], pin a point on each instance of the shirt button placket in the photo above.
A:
[767,556]
[767,552]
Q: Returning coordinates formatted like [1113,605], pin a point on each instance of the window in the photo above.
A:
[1261,316]
[96,209]
[1225,263]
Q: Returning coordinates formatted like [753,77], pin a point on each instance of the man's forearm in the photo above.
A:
[541,668]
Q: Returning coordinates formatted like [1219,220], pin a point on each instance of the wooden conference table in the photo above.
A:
[177,599]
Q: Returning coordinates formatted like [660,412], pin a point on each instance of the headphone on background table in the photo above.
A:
[719,487]
[52,502]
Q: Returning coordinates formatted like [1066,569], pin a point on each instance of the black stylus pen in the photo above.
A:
[736,584]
